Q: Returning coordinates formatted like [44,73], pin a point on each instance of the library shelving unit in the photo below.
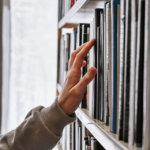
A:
[100,131]
[83,12]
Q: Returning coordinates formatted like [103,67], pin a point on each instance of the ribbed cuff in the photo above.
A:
[55,119]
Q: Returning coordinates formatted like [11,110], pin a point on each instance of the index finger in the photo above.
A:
[80,56]
[73,55]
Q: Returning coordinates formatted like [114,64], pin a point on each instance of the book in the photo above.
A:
[77,134]
[73,136]
[121,82]
[101,65]
[72,3]
[98,97]
[62,60]
[108,49]
[114,4]
[84,39]
[67,53]
[96,85]
[60,4]
[68,137]
[139,74]
[118,62]
[146,108]
[83,136]
[73,40]
[132,72]
[127,70]
[92,83]
[93,143]
[88,66]
[99,82]
[106,104]
[80,137]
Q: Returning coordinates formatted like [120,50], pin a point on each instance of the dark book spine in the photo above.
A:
[101,59]
[96,23]
[73,136]
[127,71]
[114,4]
[84,69]
[139,122]
[98,114]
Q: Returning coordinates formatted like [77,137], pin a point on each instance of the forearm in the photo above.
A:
[41,129]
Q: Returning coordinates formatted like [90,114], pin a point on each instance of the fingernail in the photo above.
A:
[93,40]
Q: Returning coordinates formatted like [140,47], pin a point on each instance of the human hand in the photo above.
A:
[73,89]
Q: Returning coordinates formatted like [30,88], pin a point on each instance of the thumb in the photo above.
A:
[87,78]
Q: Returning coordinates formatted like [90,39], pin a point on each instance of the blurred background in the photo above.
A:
[28,42]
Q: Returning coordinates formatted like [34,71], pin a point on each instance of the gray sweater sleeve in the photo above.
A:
[41,129]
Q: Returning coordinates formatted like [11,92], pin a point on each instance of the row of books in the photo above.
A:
[119,95]
[83,139]
[77,137]
[64,6]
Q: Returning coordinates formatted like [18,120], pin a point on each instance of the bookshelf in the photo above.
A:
[99,130]
[83,12]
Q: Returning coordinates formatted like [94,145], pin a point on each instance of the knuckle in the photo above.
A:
[73,54]
[87,77]
[79,56]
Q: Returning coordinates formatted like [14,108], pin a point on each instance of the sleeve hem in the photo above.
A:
[55,118]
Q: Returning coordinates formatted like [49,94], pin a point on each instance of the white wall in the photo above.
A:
[33,58]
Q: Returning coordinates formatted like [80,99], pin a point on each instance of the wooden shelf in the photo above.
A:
[101,132]
[81,12]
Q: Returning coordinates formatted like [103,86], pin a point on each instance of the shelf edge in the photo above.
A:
[106,140]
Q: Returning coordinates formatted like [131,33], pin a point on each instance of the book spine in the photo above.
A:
[127,71]
[98,97]
[132,72]
[146,126]
[72,3]
[139,77]
[108,47]
[91,63]
[73,136]
[96,23]
[101,59]
[121,83]
[84,69]
[105,71]
[77,134]
[114,4]
[84,39]
[93,143]
[118,63]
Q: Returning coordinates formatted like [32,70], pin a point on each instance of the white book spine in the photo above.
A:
[122,43]
[91,85]
[132,72]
